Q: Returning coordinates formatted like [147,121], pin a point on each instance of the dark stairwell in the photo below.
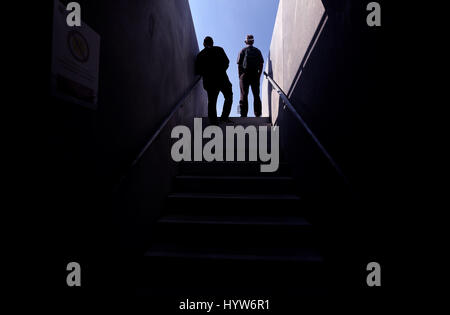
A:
[229,230]
[171,231]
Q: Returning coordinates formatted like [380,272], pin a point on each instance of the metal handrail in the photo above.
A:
[178,105]
[288,104]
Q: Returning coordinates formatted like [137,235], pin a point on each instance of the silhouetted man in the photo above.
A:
[212,64]
[250,65]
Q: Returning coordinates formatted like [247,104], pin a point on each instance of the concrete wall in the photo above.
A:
[329,63]
[333,67]
[147,58]
[295,27]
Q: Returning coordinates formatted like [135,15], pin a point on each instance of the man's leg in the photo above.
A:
[227,91]
[213,93]
[257,107]
[243,103]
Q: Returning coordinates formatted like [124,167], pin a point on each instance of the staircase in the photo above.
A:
[232,232]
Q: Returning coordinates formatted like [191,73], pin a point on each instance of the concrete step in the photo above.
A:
[242,121]
[234,232]
[234,184]
[243,154]
[243,196]
[264,272]
[235,220]
[230,169]
[266,255]
[233,204]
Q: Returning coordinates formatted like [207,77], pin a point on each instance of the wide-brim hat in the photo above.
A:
[250,39]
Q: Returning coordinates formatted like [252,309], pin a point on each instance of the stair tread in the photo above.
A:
[234,196]
[232,163]
[230,168]
[207,177]
[244,120]
[279,254]
[234,220]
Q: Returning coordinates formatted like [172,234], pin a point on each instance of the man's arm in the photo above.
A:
[226,61]
[239,62]
[261,65]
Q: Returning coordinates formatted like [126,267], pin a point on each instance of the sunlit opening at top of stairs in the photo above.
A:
[228,22]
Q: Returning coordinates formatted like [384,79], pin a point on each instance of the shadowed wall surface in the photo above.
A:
[320,56]
[332,67]
[148,49]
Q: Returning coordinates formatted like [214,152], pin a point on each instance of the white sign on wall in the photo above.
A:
[75,60]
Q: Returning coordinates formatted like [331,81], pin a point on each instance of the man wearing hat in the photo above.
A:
[212,64]
[250,67]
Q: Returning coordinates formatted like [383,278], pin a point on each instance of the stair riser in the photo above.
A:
[247,121]
[235,236]
[229,169]
[258,277]
[220,185]
[188,206]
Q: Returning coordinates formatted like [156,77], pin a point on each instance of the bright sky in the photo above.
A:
[228,22]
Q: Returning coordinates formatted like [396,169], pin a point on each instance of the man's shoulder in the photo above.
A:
[202,52]
[250,48]
[218,49]
[259,53]
[256,49]
[243,50]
